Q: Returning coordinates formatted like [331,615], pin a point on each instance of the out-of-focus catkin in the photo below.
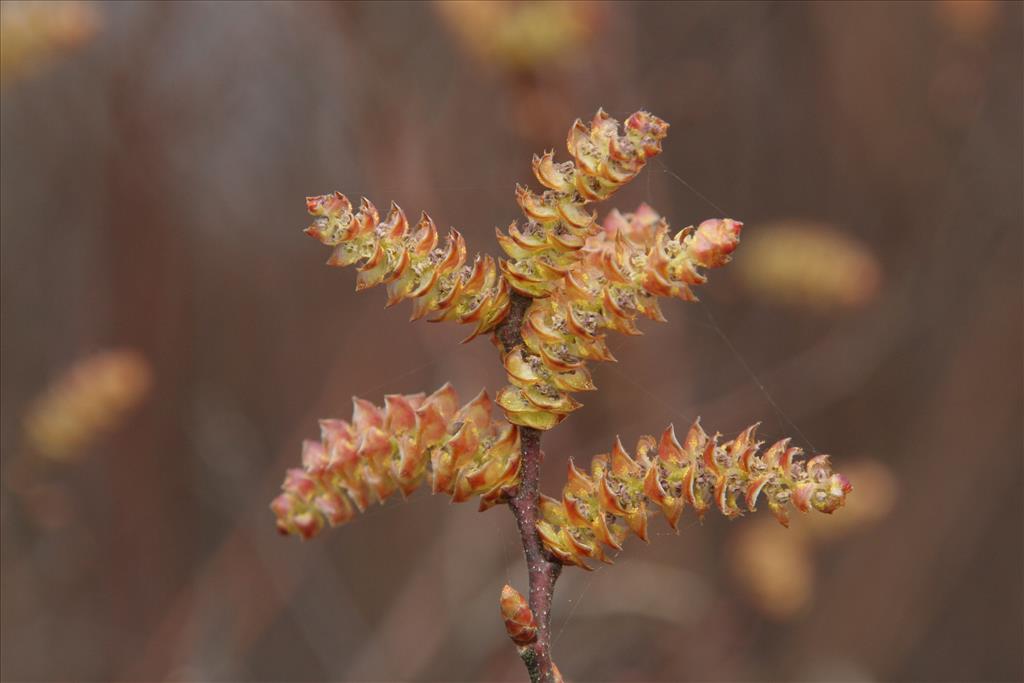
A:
[411,440]
[558,223]
[408,260]
[523,37]
[776,568]
[809,266]
[34,34]
[619,275]
[598,510]
[91,398]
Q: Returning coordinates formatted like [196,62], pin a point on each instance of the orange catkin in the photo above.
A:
[92,397]
[621,272]
[598,510]
[411,440]
[557,221]
[407,259]
[566,281]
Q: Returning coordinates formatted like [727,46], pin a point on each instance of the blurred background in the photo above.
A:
[170,336]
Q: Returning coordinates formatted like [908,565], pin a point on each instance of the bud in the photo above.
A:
[519,622]
[713,241]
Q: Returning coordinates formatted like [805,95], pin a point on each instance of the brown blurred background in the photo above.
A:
[169,335]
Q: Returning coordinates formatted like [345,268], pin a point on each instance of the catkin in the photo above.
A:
[597,511]
[409,262]
[412,440]
[558,222]
[619,276]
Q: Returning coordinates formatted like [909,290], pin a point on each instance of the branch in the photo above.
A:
[543,569]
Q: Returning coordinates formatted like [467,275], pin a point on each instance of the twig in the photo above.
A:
[543,570]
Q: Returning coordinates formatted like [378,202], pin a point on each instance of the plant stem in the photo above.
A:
[543,569]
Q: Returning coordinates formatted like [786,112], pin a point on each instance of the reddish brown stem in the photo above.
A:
[543,569]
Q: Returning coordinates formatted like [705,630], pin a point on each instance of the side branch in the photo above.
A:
[543,569]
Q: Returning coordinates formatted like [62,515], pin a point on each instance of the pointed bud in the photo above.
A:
[713,242]
[519,622]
